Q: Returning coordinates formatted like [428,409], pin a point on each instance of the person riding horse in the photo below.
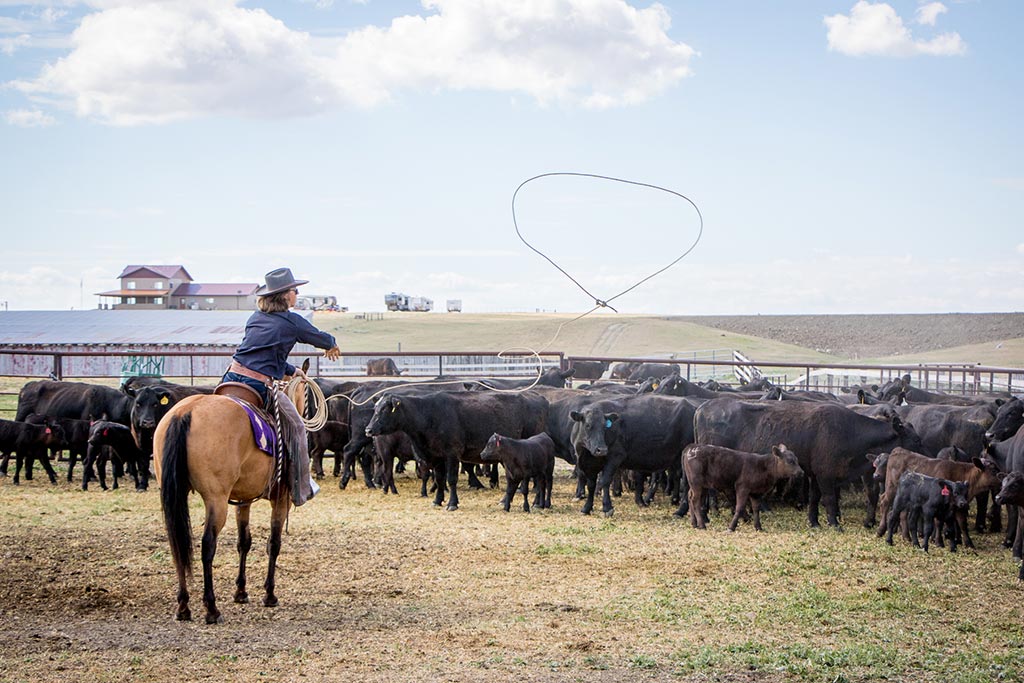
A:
[262,357]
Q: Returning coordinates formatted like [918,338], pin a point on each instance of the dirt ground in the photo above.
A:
[873,336]
[388,588]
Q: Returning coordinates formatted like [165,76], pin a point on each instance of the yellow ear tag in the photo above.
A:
[164,401]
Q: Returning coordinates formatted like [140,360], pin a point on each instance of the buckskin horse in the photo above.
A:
[205,444]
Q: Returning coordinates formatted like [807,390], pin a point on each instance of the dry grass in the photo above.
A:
[376,588]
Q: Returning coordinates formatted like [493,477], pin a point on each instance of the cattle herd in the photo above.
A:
[921,457]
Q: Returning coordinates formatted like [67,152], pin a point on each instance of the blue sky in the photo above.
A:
[847,157]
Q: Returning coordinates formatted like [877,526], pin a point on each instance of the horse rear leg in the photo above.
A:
[244,544]
[216,515]
[278,515]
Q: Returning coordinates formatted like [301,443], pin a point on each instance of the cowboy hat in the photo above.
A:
[279,280]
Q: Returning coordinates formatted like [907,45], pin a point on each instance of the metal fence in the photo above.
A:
[208,365]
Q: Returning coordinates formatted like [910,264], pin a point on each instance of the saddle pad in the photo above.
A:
[262,431]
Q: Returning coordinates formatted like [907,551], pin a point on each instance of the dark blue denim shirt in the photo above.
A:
[269,338]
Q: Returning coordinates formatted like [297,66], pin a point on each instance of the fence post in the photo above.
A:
[57,366]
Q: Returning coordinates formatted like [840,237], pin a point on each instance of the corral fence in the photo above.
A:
[208,365]
[962,378]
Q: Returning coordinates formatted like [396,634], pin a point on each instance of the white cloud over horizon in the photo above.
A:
[157,62]
[875,29]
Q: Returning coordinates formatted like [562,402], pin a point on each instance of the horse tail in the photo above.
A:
[174,490]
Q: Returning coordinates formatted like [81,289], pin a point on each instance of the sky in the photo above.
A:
[845,156]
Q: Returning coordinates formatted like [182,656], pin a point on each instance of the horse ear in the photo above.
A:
[305,366]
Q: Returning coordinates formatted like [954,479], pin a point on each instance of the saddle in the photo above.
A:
[280,435]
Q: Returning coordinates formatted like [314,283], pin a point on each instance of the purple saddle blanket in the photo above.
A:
[262,431]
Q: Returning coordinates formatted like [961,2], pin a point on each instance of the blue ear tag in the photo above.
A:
[607,424]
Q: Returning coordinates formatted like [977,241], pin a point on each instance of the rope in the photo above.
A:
[319,419]
[605,303]
[598,303]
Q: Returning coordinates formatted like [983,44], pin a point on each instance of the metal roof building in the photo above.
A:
[106,343]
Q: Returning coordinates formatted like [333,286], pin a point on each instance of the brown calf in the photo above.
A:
[751,475]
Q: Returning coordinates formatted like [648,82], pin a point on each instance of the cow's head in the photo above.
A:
[556,377]
[493,450]
[387,416]
[957,492]
[907,435]
[1012,490]
[786,464]
[991,476]
[878,463]
[593,430]
[150,405]
[1009,419]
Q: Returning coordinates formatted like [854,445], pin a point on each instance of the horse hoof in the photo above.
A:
[184,615]
[270,601]
[242,598]
[214,618]
[452,508]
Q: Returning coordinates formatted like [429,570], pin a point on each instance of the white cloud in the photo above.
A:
[928,13]
[1020,248]
[10,45]
[155,62]
[875,29]
[28,119]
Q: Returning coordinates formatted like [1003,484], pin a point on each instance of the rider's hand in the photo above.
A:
[333,353]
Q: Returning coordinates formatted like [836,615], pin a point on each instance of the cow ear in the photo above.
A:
[576,415]
[566,374]
[978,462]
[860,396]
[776,451]
[611,417]
[897,424]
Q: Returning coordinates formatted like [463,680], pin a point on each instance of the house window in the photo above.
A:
[210,300]
[130,300]
[130,285]
[159,300]
[158,285]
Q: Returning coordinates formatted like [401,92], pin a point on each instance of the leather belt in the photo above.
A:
[240,369]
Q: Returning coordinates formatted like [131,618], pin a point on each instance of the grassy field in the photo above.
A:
[387,588]
[602,334]
[595,335]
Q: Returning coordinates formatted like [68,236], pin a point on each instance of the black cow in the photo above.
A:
[524,460]
[447,428]
[623,370]
[331,437]
[652,371]
[1011,493]
[120,439]
[643,433]
[76,400]
[30,442]
[589,369]
[1008,420]
[76,437]
[750,475]
[382,367]
[829,439]
[356,409]
[935,500]
[389,448]
[552,377]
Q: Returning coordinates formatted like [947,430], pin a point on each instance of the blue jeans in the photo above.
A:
[254,383]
